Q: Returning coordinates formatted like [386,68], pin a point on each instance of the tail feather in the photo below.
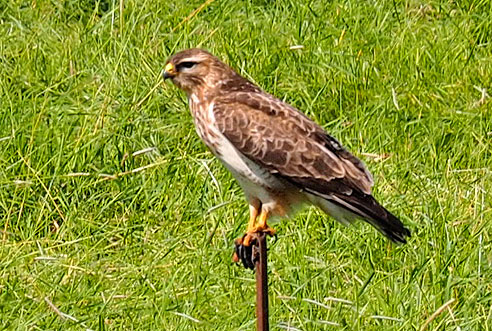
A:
[367,208]
[346,203]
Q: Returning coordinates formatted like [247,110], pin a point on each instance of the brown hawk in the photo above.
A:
[280,157]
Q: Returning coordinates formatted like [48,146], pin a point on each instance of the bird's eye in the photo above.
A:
[185,65]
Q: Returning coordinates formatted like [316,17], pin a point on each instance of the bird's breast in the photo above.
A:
[204,123]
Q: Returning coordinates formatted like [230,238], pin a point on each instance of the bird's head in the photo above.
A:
[194,69]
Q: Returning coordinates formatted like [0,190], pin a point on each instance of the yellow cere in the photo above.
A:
[169,67]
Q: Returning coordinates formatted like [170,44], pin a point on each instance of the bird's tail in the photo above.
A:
[367,208]
[347,208]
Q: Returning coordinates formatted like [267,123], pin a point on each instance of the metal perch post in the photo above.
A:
[254,257]
[261,283]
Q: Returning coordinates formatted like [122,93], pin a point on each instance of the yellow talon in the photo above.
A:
[262,226]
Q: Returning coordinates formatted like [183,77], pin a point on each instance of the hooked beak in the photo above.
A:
[169,71]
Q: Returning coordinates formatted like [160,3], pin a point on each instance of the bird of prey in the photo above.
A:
[280,157]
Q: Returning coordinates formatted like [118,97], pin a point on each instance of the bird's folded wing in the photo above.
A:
[287,143]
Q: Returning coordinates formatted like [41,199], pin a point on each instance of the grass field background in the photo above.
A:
[114,216]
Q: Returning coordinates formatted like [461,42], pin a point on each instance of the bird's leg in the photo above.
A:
[262,226]
[244,249]
[242,252]
[254,209]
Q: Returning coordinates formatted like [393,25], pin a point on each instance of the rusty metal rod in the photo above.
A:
[261,284]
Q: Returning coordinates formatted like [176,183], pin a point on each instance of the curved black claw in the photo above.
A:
[248,255]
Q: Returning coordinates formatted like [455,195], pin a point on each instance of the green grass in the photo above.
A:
[80,92]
